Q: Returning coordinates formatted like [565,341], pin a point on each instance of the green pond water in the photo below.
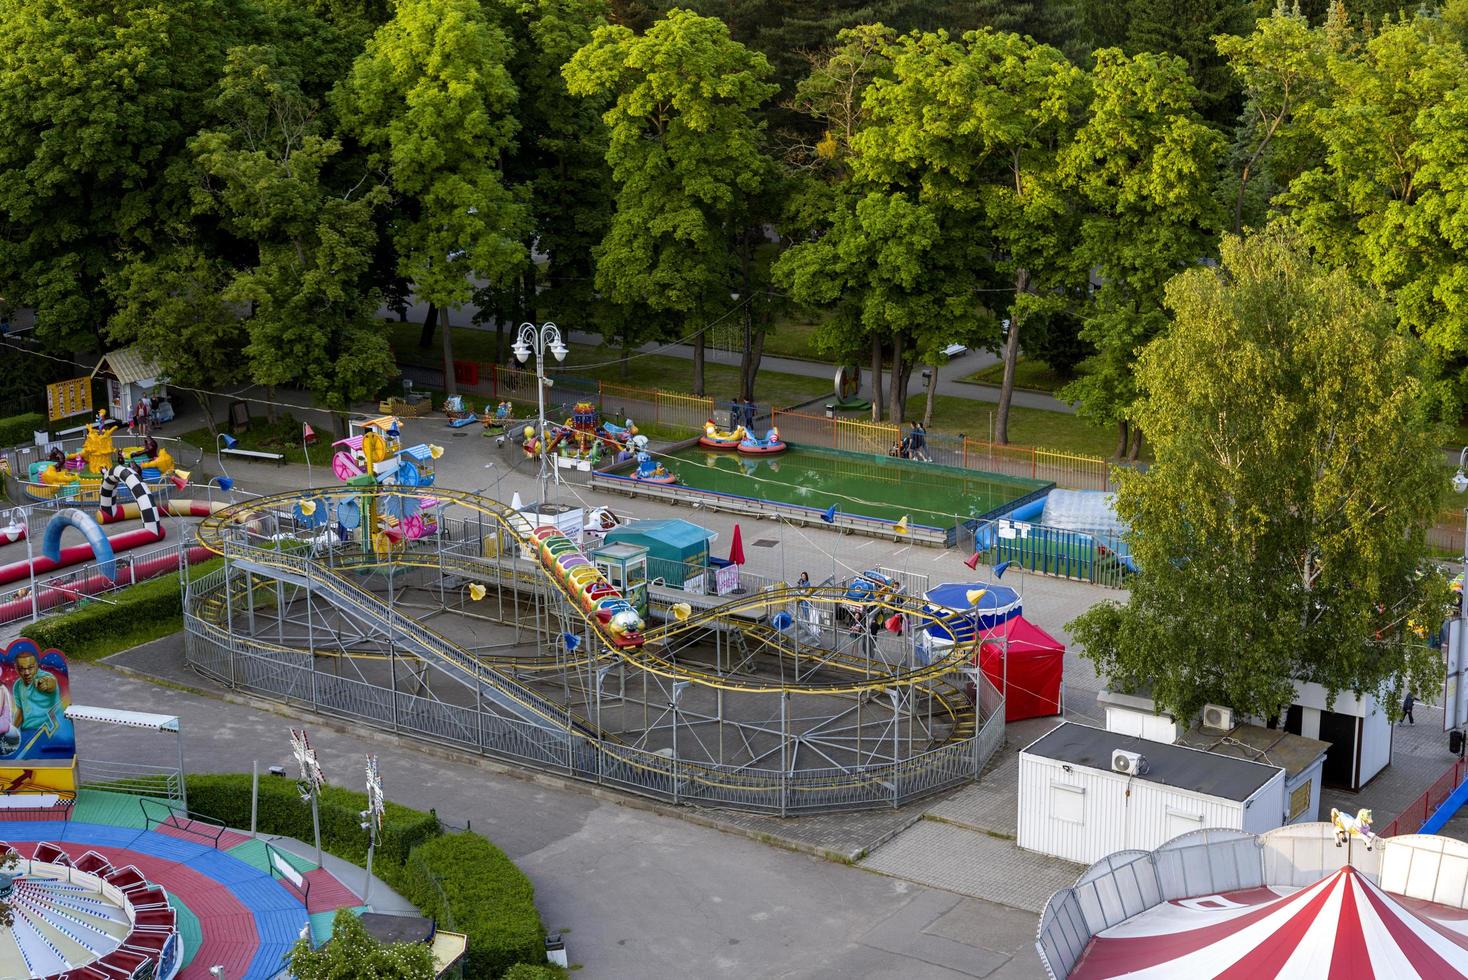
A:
[873,486]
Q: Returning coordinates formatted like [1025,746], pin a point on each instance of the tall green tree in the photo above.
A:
[1281,70]
[1387,199]
[560,158]
[97,103]
[1280,530]
[986,132]
[832,97]
[970,129]
[307,238]
[1186,29]
[1144,165]
[432,99]
[686,153]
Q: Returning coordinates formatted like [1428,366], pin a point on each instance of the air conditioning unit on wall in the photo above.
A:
[1130,763]
[1218,718]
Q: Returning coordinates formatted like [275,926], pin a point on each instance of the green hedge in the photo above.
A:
[462,880]
[136,614]
[489,900]
[20,430]
[544,971]
[226,798]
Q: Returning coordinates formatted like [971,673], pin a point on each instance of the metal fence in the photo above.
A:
[265,670]
[133,778]
[1416,813]
[1045,550]
[1067,470]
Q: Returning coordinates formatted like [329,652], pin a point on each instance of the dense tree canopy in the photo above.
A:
[1279,528]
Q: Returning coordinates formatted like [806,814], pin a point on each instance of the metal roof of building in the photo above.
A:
[128,365]
[1189,769]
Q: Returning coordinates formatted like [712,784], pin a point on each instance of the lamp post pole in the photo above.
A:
[537,340]
[1460,485]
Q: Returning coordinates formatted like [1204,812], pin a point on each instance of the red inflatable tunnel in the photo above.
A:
[1036,665]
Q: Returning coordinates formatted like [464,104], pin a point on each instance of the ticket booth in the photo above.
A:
[625,566]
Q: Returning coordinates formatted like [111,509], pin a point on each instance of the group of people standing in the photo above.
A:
[914,445]
[742,412]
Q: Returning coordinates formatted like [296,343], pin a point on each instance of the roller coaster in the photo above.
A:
[495,636]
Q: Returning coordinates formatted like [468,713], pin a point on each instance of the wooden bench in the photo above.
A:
[276,458]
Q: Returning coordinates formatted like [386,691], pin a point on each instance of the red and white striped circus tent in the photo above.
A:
[1343,927]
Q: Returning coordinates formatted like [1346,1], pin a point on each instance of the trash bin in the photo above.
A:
[830,411]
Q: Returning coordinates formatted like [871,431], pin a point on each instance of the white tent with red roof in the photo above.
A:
[1343,927]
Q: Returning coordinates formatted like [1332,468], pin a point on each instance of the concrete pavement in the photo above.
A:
[637,894]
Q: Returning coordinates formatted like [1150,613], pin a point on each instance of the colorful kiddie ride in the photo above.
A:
[769,445]
[81,473]
[497,420]
[583,436]
[615,617]
[377,458]
[866,593]
[715,438]
[650,470]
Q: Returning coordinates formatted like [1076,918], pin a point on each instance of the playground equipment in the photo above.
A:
[80,474]
[715,438]
[376,458]
[750,445]
[749,695]
[97,547]
[583,436]
[499,420]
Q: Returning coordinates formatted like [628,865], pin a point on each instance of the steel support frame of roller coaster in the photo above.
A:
[873,733]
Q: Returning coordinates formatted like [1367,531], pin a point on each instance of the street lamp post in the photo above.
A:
[1460,485]
[20,524]
[537,340]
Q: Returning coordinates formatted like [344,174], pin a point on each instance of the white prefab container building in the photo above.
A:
[1074,805]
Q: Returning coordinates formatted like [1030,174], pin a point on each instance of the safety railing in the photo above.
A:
[133,778]
[263,669]
[1046,550]
[1416,813]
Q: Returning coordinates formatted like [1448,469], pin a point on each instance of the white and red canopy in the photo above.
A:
[1343,927]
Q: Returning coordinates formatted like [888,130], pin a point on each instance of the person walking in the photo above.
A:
[749,414]
[1407,703]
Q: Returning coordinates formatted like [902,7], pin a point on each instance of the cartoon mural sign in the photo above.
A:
[37,740]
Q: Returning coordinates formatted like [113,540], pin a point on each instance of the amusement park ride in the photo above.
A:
[386,591]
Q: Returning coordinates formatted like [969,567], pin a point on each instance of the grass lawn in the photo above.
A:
[283,437]
[792,338]
[1029,374]
[1027,426]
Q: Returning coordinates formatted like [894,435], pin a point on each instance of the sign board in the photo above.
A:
[695,585]
[37,739]
[67,398]
[287,872]
[726,579]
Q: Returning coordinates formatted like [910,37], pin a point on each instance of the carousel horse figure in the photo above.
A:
[1347,826]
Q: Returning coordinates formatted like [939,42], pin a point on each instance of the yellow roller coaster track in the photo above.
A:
[213,530]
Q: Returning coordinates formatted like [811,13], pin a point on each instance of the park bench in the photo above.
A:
[277,458]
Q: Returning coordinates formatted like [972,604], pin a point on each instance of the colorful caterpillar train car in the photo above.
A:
[614,615]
